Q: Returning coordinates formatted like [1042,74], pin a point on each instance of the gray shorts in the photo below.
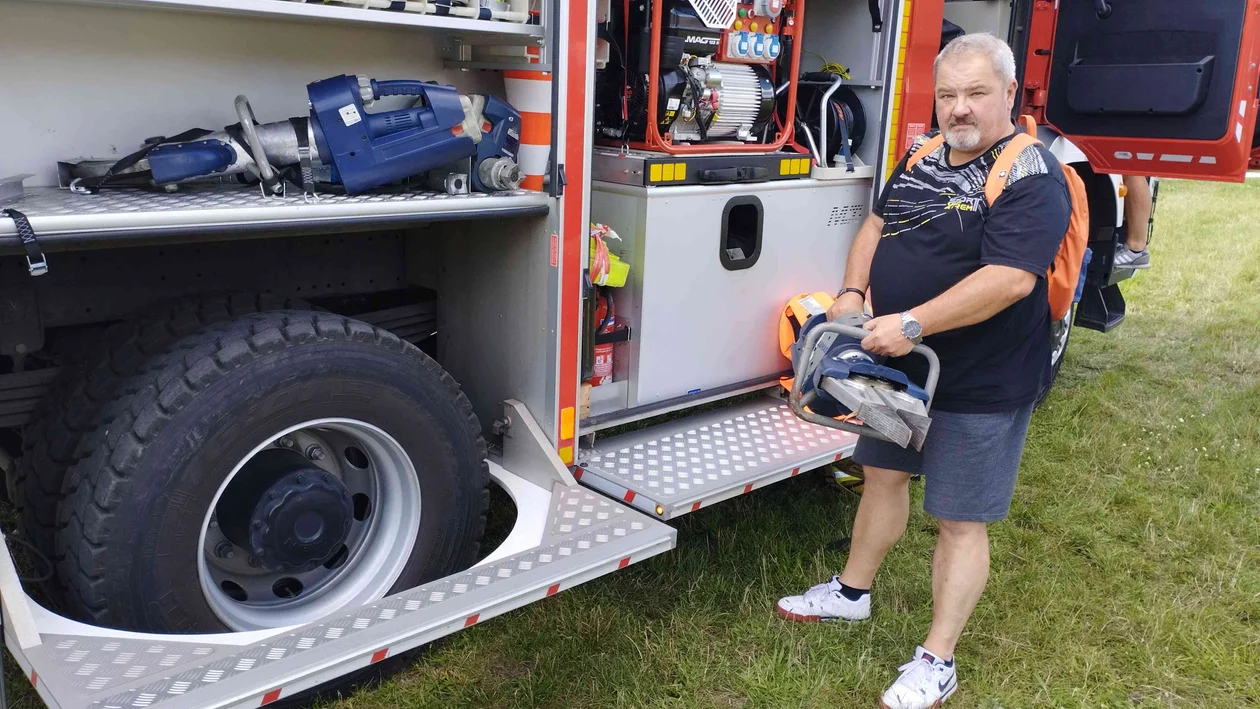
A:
[969,463]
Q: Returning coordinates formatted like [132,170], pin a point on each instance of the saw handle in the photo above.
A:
[399,87]
[802,366]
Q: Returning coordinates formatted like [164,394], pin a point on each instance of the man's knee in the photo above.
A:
[884,478]
[962,531]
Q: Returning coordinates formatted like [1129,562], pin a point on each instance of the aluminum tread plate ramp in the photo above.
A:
[56,212]
[586,535]
[708,457]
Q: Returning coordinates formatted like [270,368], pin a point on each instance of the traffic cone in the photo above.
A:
[529,92]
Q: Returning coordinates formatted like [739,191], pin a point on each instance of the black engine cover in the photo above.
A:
[621,85]
[683,28]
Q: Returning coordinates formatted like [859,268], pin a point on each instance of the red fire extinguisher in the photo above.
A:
[605,317]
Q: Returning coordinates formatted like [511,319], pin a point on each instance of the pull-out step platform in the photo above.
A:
[209,212]
[679,467]
[563,537]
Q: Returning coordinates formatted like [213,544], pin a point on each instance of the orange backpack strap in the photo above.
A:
[924,151]
[1029,124]
[1001,169]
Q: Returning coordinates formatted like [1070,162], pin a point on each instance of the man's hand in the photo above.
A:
[845,304]
[886,338]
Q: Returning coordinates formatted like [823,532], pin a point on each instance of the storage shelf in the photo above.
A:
[287,9]
[60,216]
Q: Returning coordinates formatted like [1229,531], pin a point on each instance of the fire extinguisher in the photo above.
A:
[605,317]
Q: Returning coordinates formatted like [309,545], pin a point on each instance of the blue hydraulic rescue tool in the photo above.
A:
[341,143]
[840,385]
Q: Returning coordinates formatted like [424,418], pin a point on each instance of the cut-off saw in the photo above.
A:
[840,385]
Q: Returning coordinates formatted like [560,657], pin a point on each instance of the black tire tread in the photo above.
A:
[53,440]
[168,383]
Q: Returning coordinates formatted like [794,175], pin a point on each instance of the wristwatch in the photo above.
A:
[911,328]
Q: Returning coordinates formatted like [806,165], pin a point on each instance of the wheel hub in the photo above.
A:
[301,521]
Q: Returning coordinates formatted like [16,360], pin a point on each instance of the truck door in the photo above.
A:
[1150,87]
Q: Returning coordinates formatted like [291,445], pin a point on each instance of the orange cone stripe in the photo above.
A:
[535,128]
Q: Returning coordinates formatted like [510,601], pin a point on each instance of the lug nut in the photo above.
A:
[285,442]
[315,453]
[254,562]
[223,550]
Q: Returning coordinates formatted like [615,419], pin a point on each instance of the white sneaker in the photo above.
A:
[1128,258]
[925,683]
[824,602]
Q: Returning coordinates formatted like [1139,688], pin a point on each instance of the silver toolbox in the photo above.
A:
[711,268]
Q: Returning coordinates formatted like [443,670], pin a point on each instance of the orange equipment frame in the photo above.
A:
[789,25]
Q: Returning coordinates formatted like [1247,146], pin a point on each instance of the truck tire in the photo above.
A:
[215,440]
[1060,335]
[53,440]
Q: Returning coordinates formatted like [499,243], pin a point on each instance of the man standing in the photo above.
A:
[969,281]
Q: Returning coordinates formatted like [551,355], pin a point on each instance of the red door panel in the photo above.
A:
[1150,87]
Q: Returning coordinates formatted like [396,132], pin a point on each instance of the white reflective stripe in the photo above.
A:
[1238,132]
[1207,160]
[528,95]
[1146,156]
[1242,108]
[533,159]
[1124,155]
[1176,158]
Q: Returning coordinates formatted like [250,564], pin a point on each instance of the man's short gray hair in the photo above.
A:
[996,50]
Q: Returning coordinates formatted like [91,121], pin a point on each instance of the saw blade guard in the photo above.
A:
[830,359]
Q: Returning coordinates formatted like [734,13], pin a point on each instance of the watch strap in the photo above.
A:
[859,291]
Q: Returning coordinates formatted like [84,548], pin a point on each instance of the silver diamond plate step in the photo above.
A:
[585,535]
[681,466]
[60,214]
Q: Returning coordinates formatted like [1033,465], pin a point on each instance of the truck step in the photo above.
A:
[678,467]
[1101,309]
[582,535]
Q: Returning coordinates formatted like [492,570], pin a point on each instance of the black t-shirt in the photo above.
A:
[939,229]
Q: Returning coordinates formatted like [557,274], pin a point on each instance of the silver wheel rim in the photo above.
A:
[1059,338]
[375,552]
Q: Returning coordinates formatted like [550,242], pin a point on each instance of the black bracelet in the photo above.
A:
[859,291]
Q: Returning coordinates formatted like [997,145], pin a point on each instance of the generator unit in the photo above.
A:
[699,76]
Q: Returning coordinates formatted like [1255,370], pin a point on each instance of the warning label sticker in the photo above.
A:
[812,306]
[350,114]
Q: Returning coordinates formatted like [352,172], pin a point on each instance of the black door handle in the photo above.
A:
[733,174]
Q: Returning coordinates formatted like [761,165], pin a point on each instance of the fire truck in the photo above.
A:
[259,385]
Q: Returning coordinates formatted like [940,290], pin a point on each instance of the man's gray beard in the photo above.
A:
[965,140]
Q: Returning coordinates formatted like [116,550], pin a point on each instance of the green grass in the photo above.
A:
[1128,573]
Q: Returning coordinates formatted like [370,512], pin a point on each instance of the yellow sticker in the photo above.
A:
[566,455]
[566,423]
[785,167]
[669,173]
[680,171]
[654,173]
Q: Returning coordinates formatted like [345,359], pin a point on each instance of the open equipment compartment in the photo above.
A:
[695,297]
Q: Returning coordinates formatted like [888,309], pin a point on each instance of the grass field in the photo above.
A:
[1128,574]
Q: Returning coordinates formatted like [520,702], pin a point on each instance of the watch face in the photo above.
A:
[911,329]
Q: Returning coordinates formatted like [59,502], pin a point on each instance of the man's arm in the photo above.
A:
[857,270]
[974,299]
